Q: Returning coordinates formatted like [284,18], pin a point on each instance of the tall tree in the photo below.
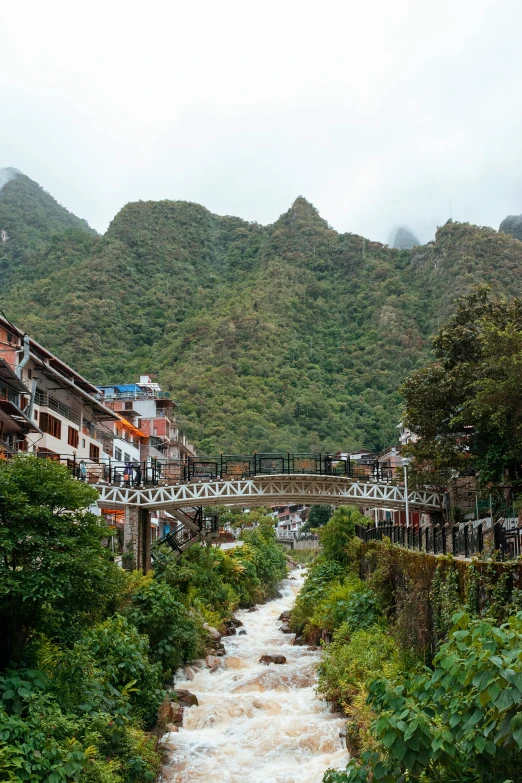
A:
[466,407]
[54,572]
[318,516]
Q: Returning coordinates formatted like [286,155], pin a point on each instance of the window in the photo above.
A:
[73,437]
[117,454]
[128,406]
[51,425]
[36,415]
[29,373]
[94,452]
[126,457]
[83,443]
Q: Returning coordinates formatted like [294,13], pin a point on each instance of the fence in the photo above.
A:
[467,540]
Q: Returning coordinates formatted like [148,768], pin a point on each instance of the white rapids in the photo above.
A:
[257,723]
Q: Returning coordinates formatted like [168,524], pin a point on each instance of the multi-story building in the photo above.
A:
[58,412]
[290,519]
[146,422]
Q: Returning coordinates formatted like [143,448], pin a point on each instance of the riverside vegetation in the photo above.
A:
[425,659]
[282,337]
[87,651]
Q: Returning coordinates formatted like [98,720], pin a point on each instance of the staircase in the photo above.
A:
[192,529]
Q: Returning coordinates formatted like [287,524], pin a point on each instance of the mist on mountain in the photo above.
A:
[404,239]
[512,224]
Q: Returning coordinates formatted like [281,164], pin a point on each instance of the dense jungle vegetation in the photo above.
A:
[87,651]
[288,336]
[424,659]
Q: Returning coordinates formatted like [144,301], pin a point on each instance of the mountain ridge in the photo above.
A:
[289,336]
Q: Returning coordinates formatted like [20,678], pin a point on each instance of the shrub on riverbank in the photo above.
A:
[87,648]
[458,719]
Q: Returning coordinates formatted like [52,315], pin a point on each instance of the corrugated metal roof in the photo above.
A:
[127,387]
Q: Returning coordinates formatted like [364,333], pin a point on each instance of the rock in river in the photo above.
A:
[272,659]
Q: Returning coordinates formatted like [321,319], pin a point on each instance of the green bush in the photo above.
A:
[338,533]
[122,654]
[42,738]
[157,611]
[462,720]
[348,602]
[346,667]
[319,580]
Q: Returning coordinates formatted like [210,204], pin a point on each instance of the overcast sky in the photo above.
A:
[380,113]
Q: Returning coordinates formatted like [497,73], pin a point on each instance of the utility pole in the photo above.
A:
[405,463]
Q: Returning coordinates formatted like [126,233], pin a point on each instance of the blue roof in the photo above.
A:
[127,387]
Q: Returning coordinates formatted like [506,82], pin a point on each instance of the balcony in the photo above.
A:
[46,401]
[152,394]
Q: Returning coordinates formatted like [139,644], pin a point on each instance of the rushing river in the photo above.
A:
[257,723]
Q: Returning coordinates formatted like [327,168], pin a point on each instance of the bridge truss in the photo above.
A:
[271,490]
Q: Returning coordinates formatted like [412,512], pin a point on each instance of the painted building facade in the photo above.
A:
[60,412]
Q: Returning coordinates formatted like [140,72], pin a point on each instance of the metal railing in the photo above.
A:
[46,401]
[295,535]
[152,394]
[190,469]
[467,540]
[421,539]
[239,466]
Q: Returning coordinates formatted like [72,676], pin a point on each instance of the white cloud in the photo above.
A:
[379,113]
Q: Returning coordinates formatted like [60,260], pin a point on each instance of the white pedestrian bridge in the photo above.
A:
[272,490]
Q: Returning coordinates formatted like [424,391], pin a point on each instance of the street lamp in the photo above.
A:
[405,463]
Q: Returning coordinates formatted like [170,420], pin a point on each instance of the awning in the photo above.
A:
[130,427]
[18,417]
[8,375]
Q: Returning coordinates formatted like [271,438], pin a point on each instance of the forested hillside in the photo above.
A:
[288,336]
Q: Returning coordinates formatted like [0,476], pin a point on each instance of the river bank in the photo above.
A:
[256,723]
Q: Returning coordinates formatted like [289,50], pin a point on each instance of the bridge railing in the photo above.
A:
[237,466]
[226,467]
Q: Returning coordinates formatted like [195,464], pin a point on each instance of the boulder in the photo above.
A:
[170,727]
[231,630]
[186,698]
[189,673]
[169,712]
[285,628]
[234,663]
[253,609]
[220,651]
[213,632]
[213,662]
[285,616]
[267,659]
[235,622]
[241,632]
[175,713]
